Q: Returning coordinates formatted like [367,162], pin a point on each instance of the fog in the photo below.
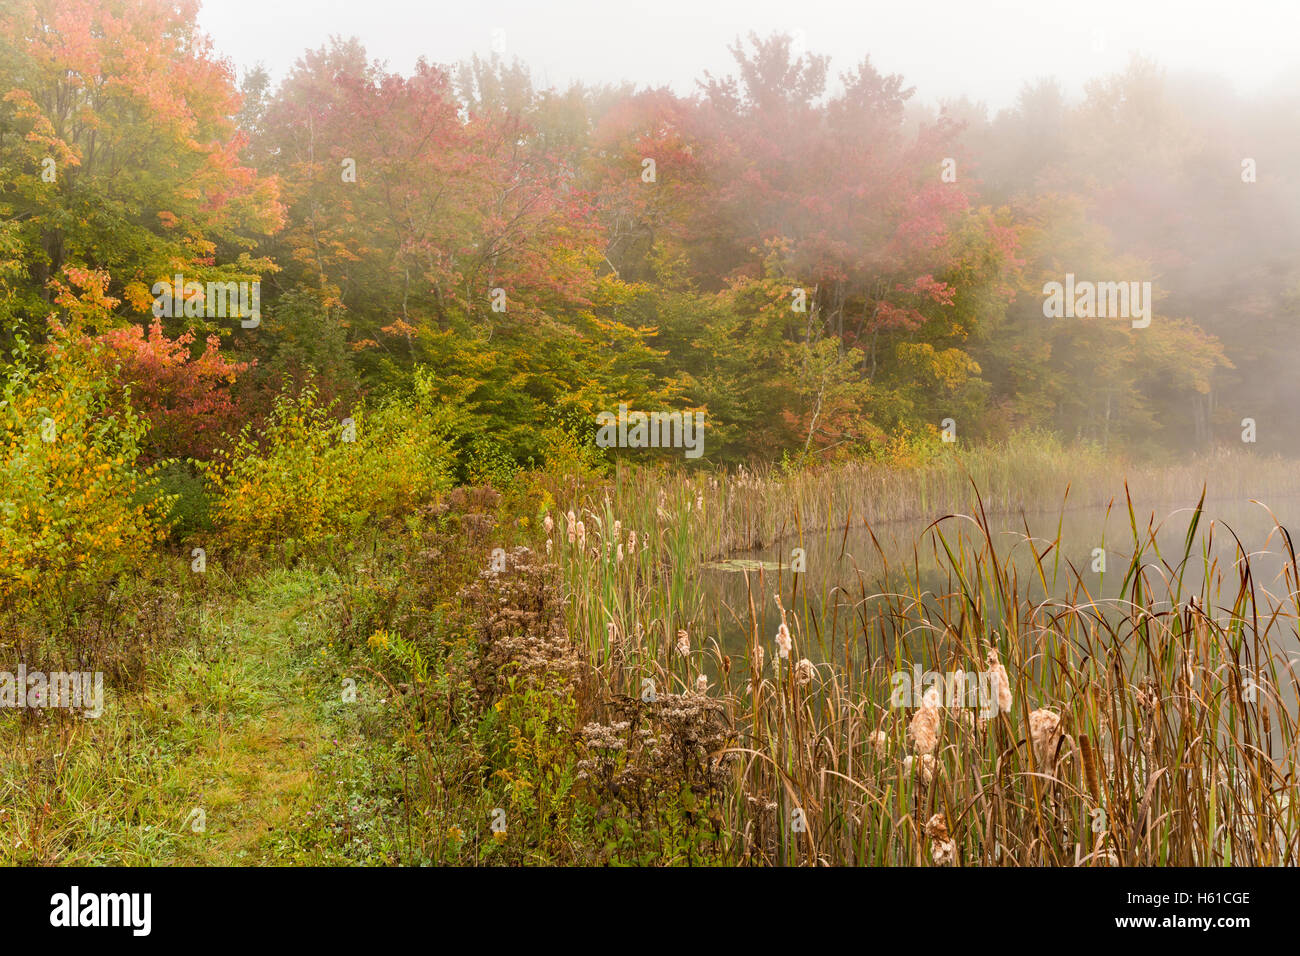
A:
[947,48]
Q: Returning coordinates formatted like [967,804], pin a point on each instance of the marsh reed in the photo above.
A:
[1153,728]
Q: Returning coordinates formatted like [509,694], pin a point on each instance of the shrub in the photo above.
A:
[186,494]
[74,509]
[186,399]
[308,476]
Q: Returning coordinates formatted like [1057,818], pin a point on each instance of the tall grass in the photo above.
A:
[1157,728]
[745,510]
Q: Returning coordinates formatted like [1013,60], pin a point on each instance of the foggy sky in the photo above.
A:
[984,49]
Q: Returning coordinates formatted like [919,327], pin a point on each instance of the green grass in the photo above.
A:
[247,726]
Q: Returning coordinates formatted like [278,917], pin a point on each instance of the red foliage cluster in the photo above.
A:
[188,399]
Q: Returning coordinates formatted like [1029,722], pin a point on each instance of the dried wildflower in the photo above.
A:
[803,672]
[943,850]
[1045,734]
[924,728]
[1001,680]
[606,736]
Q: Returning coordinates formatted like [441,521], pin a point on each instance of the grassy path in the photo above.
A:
[252,764]
[238,751]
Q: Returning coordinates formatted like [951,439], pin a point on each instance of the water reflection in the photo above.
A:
[845,567]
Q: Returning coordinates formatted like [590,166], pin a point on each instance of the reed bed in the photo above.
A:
[745,510]
[1156,728]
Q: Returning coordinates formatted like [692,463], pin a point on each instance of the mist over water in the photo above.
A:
[845,569]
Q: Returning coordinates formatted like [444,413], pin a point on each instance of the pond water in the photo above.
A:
[844,566]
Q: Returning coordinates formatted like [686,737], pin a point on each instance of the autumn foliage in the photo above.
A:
[186,400]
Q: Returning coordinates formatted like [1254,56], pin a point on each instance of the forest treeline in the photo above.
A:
[822,265]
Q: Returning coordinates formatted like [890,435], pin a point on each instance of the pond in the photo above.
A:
[845,567]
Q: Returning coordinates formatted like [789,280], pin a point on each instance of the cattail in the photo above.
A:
[548,523]
[610,631]
[943,850]
[783,641]
[924,728]
[1000,679]
[701,684]
[549,545]
[683,643]
[619,559]
[582,534]
[631,541]
[570,525]
[618,530]
[1044,734]
[759,658]
[803,672]
[926,767]
[1090,768]
[880,743]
